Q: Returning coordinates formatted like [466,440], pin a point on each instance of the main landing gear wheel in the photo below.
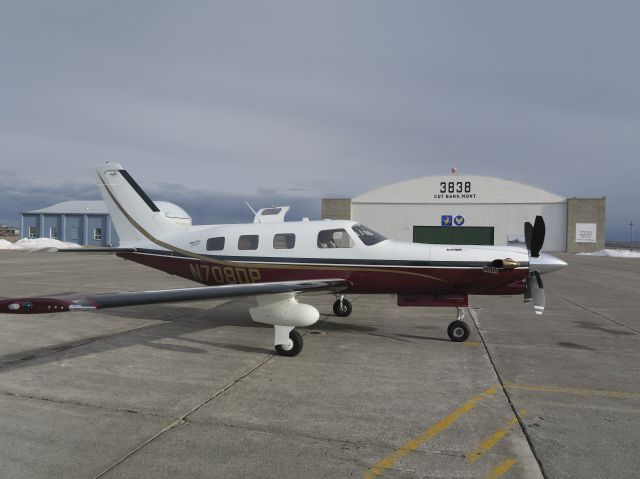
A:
[342,308]
[458,331]
[294,346]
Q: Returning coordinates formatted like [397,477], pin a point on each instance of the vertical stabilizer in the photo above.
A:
[134,215]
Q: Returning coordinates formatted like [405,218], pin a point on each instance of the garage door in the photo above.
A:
[453,234]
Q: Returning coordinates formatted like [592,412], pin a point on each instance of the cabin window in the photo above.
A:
[215,244]
[97,233]
[32,231]
[338,238]
[367,236]
[248,242]
[284,241]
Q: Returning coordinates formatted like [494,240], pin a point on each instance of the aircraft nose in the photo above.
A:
[546,263]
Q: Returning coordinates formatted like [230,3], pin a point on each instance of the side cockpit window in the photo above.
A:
[367,236]
[336,238]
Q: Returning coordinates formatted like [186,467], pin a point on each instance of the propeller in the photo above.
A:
[528,234]
[534,237]
[537,236]
[535,292]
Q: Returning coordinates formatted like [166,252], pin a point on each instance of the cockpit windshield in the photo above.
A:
[367,236]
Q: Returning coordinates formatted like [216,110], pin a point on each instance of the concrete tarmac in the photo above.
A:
[195,390]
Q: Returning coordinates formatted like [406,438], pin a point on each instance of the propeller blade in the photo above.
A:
[528,296]
[528,234]
[537,292]
[537,237]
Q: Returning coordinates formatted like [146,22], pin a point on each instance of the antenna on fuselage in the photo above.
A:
[255,215]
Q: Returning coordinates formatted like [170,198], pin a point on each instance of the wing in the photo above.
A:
[58,304]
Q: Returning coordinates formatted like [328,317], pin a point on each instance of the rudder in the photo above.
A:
[134,215]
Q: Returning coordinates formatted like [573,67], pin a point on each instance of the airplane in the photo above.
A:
[278,262]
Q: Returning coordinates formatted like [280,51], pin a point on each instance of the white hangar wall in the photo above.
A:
[483,201]
[507,221]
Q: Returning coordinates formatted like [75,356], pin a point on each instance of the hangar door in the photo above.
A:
[453,234]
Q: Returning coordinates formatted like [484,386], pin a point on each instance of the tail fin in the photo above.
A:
[134,215]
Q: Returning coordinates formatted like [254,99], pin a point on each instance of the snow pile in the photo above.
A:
[36,243]
[617,253]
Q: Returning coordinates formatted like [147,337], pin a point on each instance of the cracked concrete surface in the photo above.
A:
[194,390]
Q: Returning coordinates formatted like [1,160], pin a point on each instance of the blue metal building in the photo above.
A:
[82,222]
[86,223]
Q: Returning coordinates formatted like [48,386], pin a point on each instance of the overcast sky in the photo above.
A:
[209,104]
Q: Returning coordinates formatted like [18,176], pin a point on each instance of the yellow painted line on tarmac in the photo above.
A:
[592,407]
[470,343]
[575,391]
[490,442]
[413,444]
[502,468]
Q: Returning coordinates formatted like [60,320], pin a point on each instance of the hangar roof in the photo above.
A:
[98,207]
[73,207]
[458,189]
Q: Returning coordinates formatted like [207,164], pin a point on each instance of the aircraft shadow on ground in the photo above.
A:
[178,323]
[347,327]
[596,327]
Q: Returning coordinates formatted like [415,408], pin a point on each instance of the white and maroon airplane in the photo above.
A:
[278,261]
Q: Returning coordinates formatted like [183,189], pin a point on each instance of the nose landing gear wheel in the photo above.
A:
[458,331]
[342,308]
[294,346]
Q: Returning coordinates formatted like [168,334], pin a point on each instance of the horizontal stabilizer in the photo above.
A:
[97,250]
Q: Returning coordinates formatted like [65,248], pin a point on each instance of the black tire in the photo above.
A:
[296,339]
[458,331]
[343,310]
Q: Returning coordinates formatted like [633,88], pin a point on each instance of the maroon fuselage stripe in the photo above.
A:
[364,280]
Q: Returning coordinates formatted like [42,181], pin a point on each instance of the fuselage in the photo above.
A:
[338,249]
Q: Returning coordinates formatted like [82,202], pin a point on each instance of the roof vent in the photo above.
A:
[275,214]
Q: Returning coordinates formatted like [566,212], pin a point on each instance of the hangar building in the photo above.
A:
[456,209]
[83,222]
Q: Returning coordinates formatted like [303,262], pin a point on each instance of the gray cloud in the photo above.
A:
[19,196]
[311,100]
[205,207]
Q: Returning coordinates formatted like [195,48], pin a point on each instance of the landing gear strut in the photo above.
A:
[342,307]
[294,346]
[458,330]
